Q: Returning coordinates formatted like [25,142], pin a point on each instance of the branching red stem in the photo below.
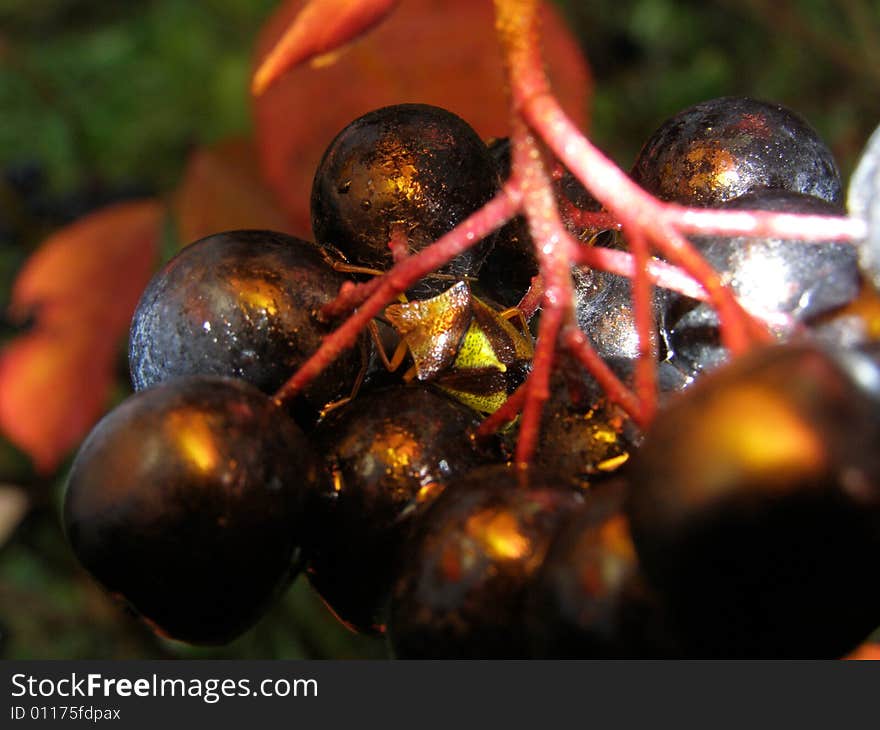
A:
[554,256]
[661,273]
[626,200]
[643,316]
[491,216]
[589,219]
[531,301]
[507,413]
[715,222]
[538,119]
[667,276]
[579,346]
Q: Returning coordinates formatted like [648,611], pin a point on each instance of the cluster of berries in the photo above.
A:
[741,523]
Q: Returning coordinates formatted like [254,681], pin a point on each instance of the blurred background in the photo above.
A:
[104,102]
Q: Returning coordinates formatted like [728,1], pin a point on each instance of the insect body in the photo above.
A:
[464,346]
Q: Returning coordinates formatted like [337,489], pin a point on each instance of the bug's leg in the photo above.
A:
[394,362]
[345,268]
[397,356]
[409,374]
[515,313]
[358,382]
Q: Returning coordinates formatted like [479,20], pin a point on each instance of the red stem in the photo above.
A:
[643,315]
[737,328]
[661,273]
[554,255]
[590,219]
[531,301]
[648,222]
[508,412]
[579,346]
[807,228]
[613,188]
[350,297]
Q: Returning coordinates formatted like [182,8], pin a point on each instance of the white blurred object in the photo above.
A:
[13,507]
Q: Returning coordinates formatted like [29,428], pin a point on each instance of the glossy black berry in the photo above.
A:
[511,264]
[723,148]
[786,283]
[461,590]
[240,304]
[187,501]
[583,436]
[755,502]
[590,600]
[411,167]
[389,454]
[604,312]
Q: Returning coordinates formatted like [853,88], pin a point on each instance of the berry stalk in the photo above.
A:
[491,216]
[643,314]
[554,256]
[538,120]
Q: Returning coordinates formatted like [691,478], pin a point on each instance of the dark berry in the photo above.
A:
[187,501]
[583,436]
[785,282]
[411,167]
[499,148]
[511,264]
[723,148]
[390,453]
[590,600]
[241,304]
[461,590]
[754,505]
[603,309]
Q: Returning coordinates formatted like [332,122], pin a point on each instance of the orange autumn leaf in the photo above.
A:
[81,286]
[53,388]
[321,27]
[221,191]
[95,267]
[441,52]
[869,651]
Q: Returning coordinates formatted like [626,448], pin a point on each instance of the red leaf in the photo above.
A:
[82,286]
[53,387]
[441,52]
[869,651]
[322,26]
[222,190]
